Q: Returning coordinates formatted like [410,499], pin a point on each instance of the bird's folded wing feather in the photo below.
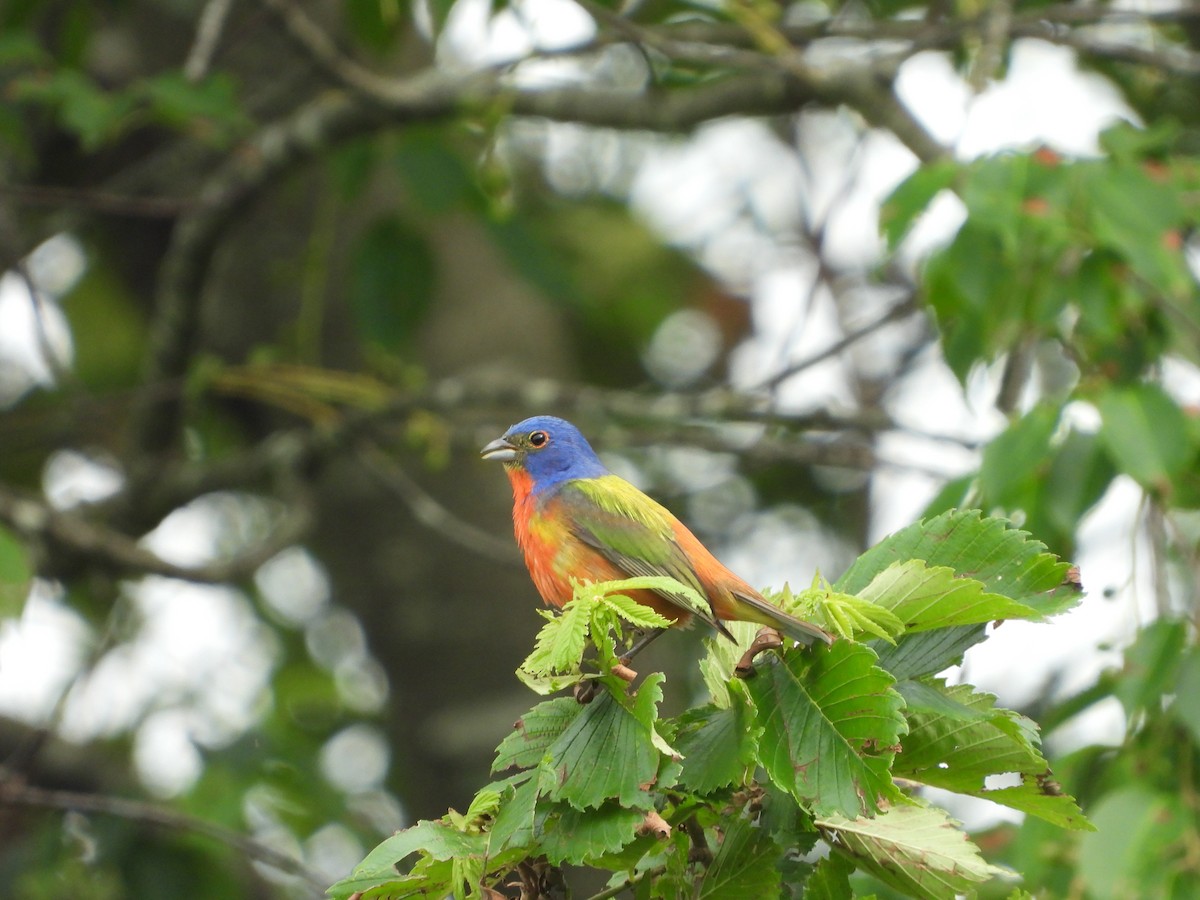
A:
[632,531]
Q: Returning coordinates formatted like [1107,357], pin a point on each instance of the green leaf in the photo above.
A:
[604,753]
[1016,454]
[514,824]
[718,746]
[744,866]
[913,196]
[429,877]
[677,589]
[830,879]
[1129,855]
[635,613]
[535,733]
[1146,434]
[392,282]
[831,726]
[957,739]
[929,652]
[378,24]
[916,850]
[843,614]
[924,598]
[1187,693]
[436,840]
[721,657]
[16,574]
[561,641]
[1078,476]
[206,109]
[96,116]
[1151,666]
[578,838]
[987,549]
[1132,213]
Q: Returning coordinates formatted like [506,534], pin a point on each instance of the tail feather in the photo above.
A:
[768,614]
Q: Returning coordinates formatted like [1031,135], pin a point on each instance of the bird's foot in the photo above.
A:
[585,691]
[766,639]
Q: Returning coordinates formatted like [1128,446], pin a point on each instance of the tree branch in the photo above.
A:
[14,792]
[71,536]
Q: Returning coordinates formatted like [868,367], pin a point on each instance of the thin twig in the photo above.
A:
[904,308]
[16,793]
[429,512]
[97,201]
[208,33]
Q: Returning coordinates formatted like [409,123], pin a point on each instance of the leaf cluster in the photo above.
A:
[825,746]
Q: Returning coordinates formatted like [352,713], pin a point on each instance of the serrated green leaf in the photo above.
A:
[534,734]
[560,642]
[644,707]
[744,866]
[958,738]
[435,840]
[679,591]
[718,746]
[429,877]
[916,850]
[928,652]
[604,753]
[844,614]
[831,725]
[635,613]
[484,803]
[578,838]
[721,657]
[513,825]
[987,549]
[925,598]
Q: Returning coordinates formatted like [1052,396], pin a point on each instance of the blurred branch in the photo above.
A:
[208,33]
[104,202]
[429,512]
[69,535]
[903,309]
[14,792]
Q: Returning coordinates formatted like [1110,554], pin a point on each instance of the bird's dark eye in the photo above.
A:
[538,439]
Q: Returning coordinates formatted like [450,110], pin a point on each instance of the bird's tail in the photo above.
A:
[756,609]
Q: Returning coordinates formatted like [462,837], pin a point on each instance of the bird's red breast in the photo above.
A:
[557,559]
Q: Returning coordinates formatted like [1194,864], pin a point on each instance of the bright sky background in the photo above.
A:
[201,665]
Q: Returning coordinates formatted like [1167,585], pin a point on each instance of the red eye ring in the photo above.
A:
[538,439]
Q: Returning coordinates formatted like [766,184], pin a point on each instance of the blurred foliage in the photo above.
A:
[266,287]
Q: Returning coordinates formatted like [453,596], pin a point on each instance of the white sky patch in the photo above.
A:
[198,647]
[1044,98]
[71,478]
[40,652]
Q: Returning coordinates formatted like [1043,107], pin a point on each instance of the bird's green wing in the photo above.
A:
[631,531]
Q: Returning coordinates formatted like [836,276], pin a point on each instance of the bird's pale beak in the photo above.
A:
[499,450]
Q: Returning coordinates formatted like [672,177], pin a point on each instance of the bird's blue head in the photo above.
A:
[550,449]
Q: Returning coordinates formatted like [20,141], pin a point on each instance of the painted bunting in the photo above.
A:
[575,521]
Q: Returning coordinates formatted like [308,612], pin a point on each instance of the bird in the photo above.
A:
[575,521]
